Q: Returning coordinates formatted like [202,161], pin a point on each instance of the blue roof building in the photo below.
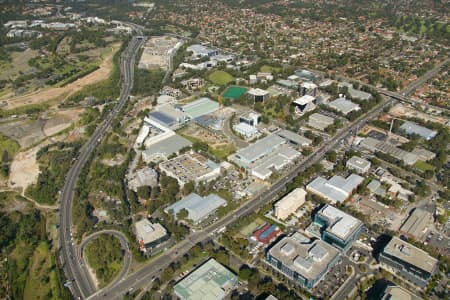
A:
[423,132]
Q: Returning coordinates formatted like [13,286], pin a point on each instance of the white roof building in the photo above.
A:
[358,164]
[336,189]
[344,106]
[245,130]
[149,234]
[290,203]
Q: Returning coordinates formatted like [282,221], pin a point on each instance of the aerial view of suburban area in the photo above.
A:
[225,149]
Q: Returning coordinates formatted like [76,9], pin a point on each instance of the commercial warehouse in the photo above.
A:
[336,189]
[413,128]
[294,138]
[387,148]
[209,281]
[417,224]
[200,107]
[319,121]
[301,259]
[343,105]
[198,208]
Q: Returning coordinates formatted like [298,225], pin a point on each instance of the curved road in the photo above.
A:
[81,286]
[123,242]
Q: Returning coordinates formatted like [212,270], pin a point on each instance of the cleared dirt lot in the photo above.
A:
[400,110]
[61,93]
[24,169]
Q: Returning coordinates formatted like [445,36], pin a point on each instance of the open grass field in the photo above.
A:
[8,145]
[220,78]
[234,92]
[250,228]
[423,166]
[42,282]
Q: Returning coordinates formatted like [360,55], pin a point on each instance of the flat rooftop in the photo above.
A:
[260,148]
[187,167]
[149,232]
[410,254]
[320,121]
[197,207]
[417,223]
[211,281]
[168,146]
[413,128]
[337,188]
[294,137]
[307,258]
[343,105]
[200,107]
[342,224]
[359,162]
[258,92]
[303,100]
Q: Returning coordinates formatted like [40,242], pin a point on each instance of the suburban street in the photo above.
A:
[81,286]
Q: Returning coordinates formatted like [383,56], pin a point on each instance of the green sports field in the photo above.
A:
[220,78]
[234,92]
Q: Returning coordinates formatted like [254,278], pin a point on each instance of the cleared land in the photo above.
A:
[24,163]
[61,93]
[220,78]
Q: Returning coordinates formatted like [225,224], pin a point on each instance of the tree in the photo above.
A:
[182,214]
[245,273]
[331,156]
[188,188]
[144,192]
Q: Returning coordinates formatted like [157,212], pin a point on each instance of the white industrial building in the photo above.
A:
[290,203]
[358,164]
[245,130]
[319,121]
[343,105]
[336,189]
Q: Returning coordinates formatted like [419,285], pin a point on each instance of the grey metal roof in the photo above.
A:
[198,207]
[343,105]
[337,188]
[260,148]
[413,128]
[320,121]
[168,146]
[294,137]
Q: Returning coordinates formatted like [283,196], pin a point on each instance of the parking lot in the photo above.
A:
[331,282]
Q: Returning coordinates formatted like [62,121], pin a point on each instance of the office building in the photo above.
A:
[149,235]
[410,262]
[336,189]
[301,259]
[304,104]
[198,208]
[209,281]
[290,203]
[245,130]
[358,164]
[202,51]
[250,118]
[338,228]
[393,292]
[258,95]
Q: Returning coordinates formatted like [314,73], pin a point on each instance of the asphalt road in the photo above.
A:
[81,286]
[124,244]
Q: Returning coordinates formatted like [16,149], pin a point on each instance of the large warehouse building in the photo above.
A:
[198,208]
[410,262]
[209,281]
[301,259]
[338,228]
[290,203]
[336,189]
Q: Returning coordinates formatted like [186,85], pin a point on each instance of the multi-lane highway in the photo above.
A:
[82,286]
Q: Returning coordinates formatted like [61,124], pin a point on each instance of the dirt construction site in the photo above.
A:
[60,93]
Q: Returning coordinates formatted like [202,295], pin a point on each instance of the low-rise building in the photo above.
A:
[301,259]
[294,138]
[393,292]
[209,281]
[304,104]
[143,177]
[190,167]
[245,130]
[343,105]
[198,208]
[149,235]
[335,189]
[290,203]
[258,95]
[358,164]
[413,128]
[200,107]
[338,228]
[417,224]
[168,116]
[412,263]
[250,118]
[202,51]
[388,148]
[319,121]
